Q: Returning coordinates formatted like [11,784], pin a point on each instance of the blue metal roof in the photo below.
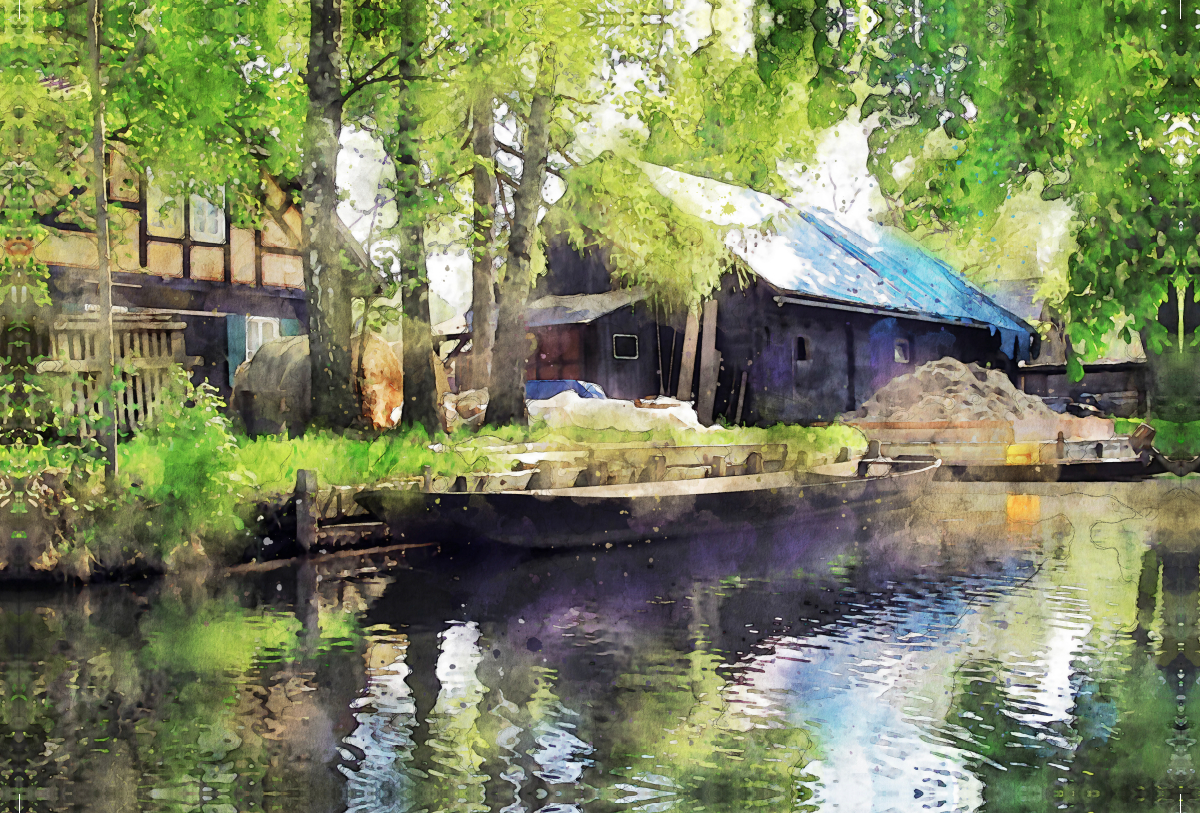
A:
[814,255]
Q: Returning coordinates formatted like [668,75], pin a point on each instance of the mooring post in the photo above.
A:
[660,468]
[718,466]
[306,509]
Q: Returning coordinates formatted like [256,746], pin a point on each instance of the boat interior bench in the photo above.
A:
[656,464]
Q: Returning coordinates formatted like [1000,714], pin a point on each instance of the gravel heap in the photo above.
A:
[948,390]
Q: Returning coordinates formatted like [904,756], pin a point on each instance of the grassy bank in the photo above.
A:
[272,462]
[188,488]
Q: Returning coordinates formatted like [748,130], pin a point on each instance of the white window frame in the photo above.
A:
[255,333]
[206,221]
[636,346]
[902,351]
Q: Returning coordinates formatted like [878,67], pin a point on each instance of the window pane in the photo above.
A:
[164,215]
[207,220]
[625,346]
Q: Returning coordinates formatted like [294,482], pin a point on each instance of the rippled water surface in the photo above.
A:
[999,648]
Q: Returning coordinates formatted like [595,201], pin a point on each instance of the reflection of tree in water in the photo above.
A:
[662,729]
[1127,742]
[178,697]
[380,749]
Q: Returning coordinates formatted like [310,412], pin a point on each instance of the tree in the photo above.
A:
[507,391]
[325,270]
[1093,98]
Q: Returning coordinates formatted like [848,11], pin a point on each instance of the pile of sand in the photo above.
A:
[948,390]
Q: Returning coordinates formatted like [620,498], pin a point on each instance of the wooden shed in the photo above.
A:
[826,318]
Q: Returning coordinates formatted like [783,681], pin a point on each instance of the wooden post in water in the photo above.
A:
[687,365]
[306,508]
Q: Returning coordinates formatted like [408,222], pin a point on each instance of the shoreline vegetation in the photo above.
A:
[191,491]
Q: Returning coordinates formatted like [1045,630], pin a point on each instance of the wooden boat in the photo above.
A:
[611,514]
[1073,471]
[987,451]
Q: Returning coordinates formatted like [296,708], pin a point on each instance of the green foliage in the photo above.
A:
[274,461]
[1176,440]
[611,206]
[1093,100]
[216,638]
[178,482]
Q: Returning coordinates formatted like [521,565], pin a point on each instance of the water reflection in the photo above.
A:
[992,648]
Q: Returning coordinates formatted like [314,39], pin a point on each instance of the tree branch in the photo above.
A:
[517,154]
[141,50]
[508,179]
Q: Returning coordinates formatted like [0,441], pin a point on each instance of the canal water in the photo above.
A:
[989,648]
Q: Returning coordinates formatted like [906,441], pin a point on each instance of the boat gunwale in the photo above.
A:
[731,484]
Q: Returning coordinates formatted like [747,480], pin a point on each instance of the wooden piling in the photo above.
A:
[306,508]
[710,364]
[691,333]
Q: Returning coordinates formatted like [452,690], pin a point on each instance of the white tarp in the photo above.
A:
[568,409]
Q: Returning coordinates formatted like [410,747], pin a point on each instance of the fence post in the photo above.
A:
[306,513]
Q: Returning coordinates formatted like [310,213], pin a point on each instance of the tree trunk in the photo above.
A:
[107,431]
[420,384]
[483,266]
[506,396]
[326,280]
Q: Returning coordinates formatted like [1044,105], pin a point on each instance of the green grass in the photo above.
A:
[188,483]
[271,463]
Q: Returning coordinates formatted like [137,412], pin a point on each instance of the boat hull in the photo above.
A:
[1099,471]
[601,515]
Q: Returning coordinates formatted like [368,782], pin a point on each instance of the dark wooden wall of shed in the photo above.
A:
[585,352]
[623,378]
[848,355]
[570,272]
[1120,389]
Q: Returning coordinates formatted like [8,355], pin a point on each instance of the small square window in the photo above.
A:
[901,352]
[259,331]
[801,349]
[625,346]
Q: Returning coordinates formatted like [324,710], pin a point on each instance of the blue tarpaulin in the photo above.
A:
[541,390]
[815,255]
